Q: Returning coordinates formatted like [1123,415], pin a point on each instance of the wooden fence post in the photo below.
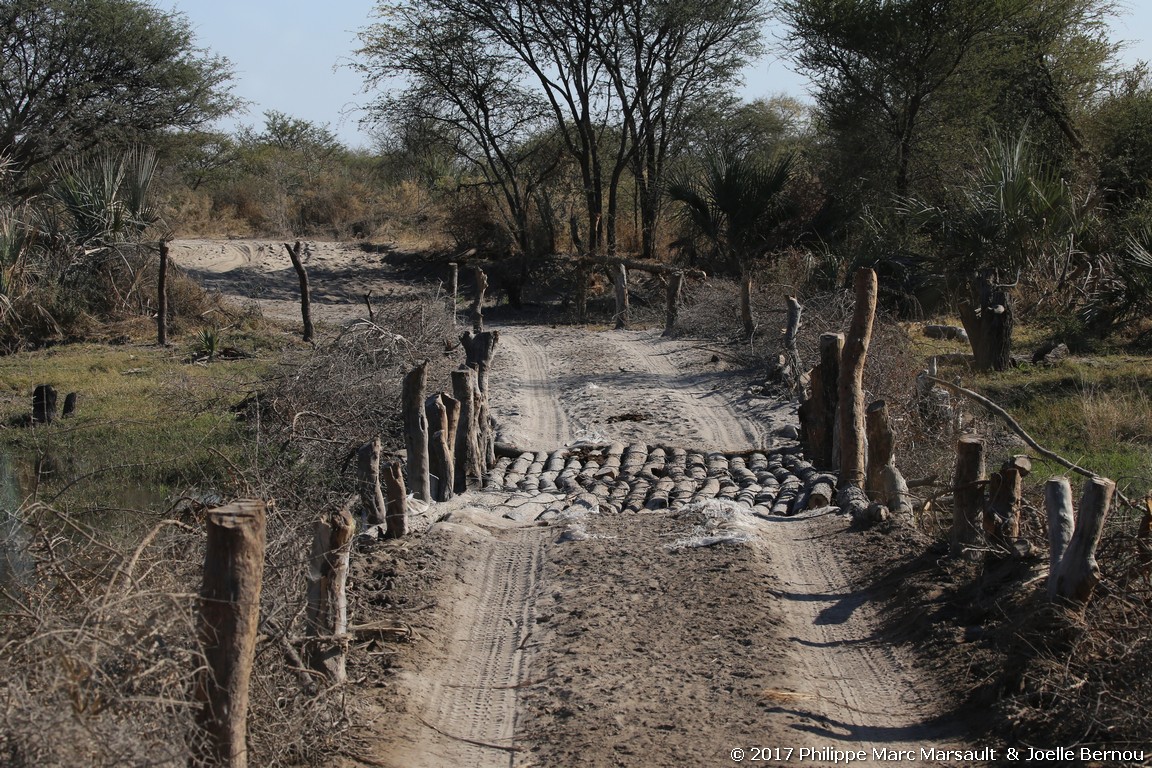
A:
[305,296]
[818,414]
[229,615]
[443,412]
[881,447]
[621,280]
[672,308]
[582,292]
[396,517]
[851,380]
[968,502]
[478,351]
[1002,515]
[1061,521]
[478,301]
[162,297]
[454,281]
[416,430]
[791,364]
[1078,573]
[327,618]
[469,470]
[746,317]
[368,482]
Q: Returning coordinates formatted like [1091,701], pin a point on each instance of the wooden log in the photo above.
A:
[368,482]
[708,489]
[162,297]
[717,464]
[478,300]
[881,447]
[396,501]
[757,462]
[518,470]
[327,615]
[478,351]
[766,496]
[850,403]
[469,460]
[635,456]
[416,431]
[672,304]
[821,494]
[820,423]
[676,462]
[895,493]
[968,498]
[747,495]
[43,404]
[853,501]
[610,467]
[587,475]
[1079,573]
[654,465]
[638,493]
[556,460]
[661,493]
[441,426]
[454,286]
[229,616]
[620,280]
[789,490]
[1002,514]
[619,494]
[294,253]
[728,489]
[683,491]
[1061,521]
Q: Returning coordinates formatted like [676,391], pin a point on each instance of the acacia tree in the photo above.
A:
[79,74]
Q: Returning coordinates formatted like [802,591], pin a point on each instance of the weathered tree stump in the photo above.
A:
[442,412]
[478,300]
[620,279]
[988,320]
[1002,515]
[478,351]
[368,482]
[1078,572]
[229,616]
[881,447]
[672,306]
[469,472]
[818,413]
[968,498]
[162,297]
[851,382]
[1061,522]
[294,253]
[396,501]
[416,431]
[327,617]
[43,404]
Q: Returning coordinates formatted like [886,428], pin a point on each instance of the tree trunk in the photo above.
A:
[469,465]
[793,364]
[988,319]
[672,309]
[1061,521]
[478,301]
[969,498]
[1002,516]
[327,596]
[368,482]
[818,414]
[478,351]
[305,295]
[162,297]
[396,517]
[746,318]
[851,381]
[416,430]
[620,278]
[440,410]
[229,615]
[881,448]
[1078,573]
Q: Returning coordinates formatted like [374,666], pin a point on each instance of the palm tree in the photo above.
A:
[737,203]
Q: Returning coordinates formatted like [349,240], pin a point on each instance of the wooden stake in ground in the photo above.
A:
[620,278]
[791,364]
[469,460]
[818,413]
[1061,521]
[851,381]
[368,482]
[969,497]
[416,430]
[454,283]
[478,301]
[881,447]
[478,350]
[229,615]
[43,404]
[672,308]
[327,618]
[442,411]
[396,517]
[294,252]
[746,317]
[1078,573]
[1002,515]
[162,297]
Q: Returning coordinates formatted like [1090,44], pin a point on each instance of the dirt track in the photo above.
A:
[614,640]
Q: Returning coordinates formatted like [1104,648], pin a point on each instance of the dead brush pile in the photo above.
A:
[98,618]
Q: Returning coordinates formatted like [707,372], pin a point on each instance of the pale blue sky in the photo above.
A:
[289,54]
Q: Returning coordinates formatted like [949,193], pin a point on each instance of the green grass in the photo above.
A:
[149,426]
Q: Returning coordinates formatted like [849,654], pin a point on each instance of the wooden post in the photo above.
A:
[746,318]
[478,301]
[229,615]
[162,297]
[69,405]
[441,410]
[1078,573]
[793,364]
[454,283]
[581,292]
[43,404]
[851,380]
[396,517]
[327,618]
[368,482]
[881,448]
[305,296]
[672,309]
[621,280]
[469,470]
[1002,515]
[969,497]
[819,418]
[416,430]
[478,350]
[1061,520]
